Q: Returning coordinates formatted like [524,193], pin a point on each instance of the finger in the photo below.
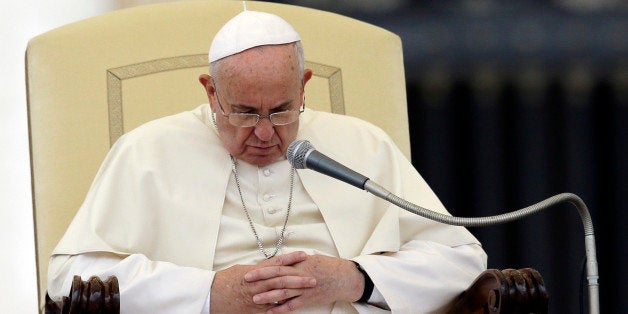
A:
[275,266]
[289,306]
[269,288]
[275,296]
[285,259]
[266,273]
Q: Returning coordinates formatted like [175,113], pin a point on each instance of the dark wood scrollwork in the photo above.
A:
[494,291]
[91,296]
[506,291]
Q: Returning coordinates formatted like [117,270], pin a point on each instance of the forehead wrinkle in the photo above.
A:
[259,60]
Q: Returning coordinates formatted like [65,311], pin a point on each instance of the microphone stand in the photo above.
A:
[589,237]
[302,154]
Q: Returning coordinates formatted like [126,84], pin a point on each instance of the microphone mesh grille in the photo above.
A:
[297,152]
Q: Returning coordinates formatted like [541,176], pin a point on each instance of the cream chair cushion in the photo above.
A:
[91,81]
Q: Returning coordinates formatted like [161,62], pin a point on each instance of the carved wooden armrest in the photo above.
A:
[91,296]
[505,291]
[493,291]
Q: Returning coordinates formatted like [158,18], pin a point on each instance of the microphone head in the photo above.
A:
[297,153]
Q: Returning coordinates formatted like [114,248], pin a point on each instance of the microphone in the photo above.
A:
[302,155]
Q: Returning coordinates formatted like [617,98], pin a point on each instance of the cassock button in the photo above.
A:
[268,197]
[272,210]
[267,172]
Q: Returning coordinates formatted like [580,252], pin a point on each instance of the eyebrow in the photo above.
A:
[243,107]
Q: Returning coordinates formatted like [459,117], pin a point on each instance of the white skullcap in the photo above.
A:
[251,29]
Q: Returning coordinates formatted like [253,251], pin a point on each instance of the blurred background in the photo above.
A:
[510,102]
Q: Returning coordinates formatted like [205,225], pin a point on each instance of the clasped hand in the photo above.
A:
[293,280]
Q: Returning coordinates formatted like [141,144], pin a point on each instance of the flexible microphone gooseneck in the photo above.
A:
[302,155]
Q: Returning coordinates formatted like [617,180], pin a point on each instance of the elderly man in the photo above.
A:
[201,212]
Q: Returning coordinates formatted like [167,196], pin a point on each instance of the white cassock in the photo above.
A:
[164,214]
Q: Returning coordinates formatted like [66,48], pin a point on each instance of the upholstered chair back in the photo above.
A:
[91,81]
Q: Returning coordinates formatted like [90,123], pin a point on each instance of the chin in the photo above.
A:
[262,160]
[262,157]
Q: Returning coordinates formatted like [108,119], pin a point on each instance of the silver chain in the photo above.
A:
[285,223]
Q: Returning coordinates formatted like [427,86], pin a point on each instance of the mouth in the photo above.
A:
[264,149]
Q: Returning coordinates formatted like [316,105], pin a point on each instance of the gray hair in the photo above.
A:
[214,67]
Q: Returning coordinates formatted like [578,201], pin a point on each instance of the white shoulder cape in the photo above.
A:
[161,188]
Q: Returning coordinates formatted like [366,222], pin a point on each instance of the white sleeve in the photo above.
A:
[145,286]
[423,277]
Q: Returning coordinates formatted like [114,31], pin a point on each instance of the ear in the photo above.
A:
[206,81]
[307,75]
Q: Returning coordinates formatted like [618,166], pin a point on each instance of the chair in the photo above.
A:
[509,291]
[88,83]
[91,81]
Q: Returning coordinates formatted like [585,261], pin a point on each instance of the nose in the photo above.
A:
[264,130]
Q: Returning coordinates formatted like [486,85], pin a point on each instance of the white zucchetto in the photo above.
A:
[251,29]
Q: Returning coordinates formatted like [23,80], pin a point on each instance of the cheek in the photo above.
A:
[288,134]
[234,138]
[241,135]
